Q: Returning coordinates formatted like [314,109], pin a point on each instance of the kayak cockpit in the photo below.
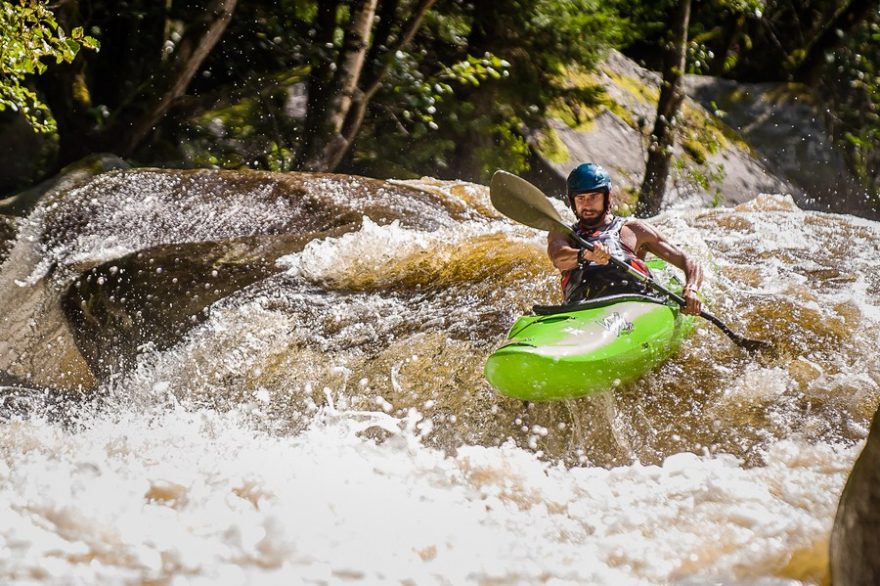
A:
[597,303]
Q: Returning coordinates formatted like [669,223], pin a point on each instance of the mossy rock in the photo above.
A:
[634,87]
[551,147]
[696,150]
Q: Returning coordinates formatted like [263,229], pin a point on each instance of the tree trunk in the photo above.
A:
[355,117]
[321,146]
[136,118]
[487,32]
[334,124]
[671,96]
[810,68]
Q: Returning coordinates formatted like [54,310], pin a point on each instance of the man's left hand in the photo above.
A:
[693,305]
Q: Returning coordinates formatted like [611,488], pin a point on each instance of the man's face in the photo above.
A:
[589,206]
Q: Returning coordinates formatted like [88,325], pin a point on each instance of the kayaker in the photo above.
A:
[586,274]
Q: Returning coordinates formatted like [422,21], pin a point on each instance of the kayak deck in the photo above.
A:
[566,352]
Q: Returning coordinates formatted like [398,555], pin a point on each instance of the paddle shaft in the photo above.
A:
[740,340]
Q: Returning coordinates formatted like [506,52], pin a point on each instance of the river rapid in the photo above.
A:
[321,416]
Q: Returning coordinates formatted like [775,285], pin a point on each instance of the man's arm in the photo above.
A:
[565,257]
[653,241]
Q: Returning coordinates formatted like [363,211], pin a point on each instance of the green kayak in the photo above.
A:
[570,351]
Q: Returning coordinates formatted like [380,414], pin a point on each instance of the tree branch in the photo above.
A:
[810,68]
[356,116]
[134,120]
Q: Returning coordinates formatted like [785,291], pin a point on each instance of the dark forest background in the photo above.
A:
[447,88]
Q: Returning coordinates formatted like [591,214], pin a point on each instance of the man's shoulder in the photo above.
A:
[637,225]
[641,229]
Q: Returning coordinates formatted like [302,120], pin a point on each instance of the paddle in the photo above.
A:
[522,202]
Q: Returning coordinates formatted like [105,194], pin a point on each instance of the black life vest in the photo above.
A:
[590,280]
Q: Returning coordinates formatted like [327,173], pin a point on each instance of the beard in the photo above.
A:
[591,217]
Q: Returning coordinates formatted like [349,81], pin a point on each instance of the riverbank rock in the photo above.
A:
[783,124]
[735,141]
[855,539]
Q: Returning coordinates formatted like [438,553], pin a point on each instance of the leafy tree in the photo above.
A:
[508,63]
[438,84]
[832,36]
[28,35]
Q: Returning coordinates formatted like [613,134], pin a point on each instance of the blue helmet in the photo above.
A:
[588,177]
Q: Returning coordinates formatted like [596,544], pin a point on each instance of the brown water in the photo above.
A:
[327,421]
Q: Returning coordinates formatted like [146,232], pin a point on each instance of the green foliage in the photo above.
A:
[417,97]
[475,70]
[254,132]
[509,150]
[574,31]
[696,177]
[501,67]
[28,35]
[461,98]
[417,115]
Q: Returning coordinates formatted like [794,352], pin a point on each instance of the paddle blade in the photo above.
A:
[739,340]
[522,202]
[752,345]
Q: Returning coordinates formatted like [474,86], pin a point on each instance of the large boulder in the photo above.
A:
[130,259]
[783,124]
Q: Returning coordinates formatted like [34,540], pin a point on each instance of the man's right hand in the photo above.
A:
[598,255]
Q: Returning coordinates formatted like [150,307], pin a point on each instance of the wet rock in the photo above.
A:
[154,297]
[70,177]
[131,258]
[37,346]
[855,539]
[784,124]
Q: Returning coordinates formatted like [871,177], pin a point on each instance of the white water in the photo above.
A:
[200,497]
[281,441]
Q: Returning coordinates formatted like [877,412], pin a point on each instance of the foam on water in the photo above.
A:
[201,497]
[378,256]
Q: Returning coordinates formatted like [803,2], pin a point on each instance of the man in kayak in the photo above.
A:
[588,274]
